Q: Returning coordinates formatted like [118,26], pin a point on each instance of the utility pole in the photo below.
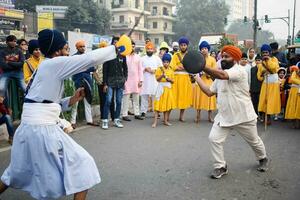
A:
[294,26]
[255,24]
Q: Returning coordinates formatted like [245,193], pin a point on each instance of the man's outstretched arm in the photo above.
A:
[204,87]
[216,73]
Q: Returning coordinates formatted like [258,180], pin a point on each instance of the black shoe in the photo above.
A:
[139,117]
[130,113]
[126,119]
[263,165]
[143,115]
[219,172]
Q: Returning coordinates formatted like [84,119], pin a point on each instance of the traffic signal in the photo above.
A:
[225,21]
[245,19]
[267,20]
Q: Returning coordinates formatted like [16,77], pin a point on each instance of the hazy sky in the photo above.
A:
[279,8]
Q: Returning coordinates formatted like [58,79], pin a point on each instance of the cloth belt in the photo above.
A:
[271,78]
[160,89]
[41,113]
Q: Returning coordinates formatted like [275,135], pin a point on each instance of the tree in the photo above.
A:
[224,41]
[195,17]
[85,15]
[88,17]
[245,31]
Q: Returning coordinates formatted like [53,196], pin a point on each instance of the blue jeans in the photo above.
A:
[8,121]
[7,76]
[109,99]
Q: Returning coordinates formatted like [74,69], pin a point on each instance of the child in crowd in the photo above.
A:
[281,75]
[6,118]
[293,103]
[164,100]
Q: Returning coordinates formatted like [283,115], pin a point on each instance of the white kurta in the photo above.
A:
[233,98]
[46,162]
[150,83]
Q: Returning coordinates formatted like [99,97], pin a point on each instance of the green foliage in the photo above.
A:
[88,17]
[245,31]
[224,41]
[196,17]
[85,15]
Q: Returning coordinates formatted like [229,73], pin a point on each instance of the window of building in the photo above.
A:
[165,11]
[140,36]
[137,3]
[121,19]
[154,10]
[121,2]
[165,26]
[156,41]
[136,20]
[154,25]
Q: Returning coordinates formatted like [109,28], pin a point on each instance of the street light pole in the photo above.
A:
[294,26]
[255,25]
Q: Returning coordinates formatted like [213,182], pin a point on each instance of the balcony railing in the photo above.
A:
[173,2]
[126,25]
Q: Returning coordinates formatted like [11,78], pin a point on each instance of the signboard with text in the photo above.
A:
[45,20]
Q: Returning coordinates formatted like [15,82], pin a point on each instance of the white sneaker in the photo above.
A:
[105,124]
[118,124]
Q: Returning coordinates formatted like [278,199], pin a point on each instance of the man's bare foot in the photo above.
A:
[181,120]
[197,120]
[167,124]
[211,120]
[153,125]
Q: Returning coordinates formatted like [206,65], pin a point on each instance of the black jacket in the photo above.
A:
[11,59]
[255,84]
[115,72]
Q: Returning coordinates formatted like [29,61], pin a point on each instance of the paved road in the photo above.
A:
[173,163]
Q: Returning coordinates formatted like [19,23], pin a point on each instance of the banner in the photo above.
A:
[45,20]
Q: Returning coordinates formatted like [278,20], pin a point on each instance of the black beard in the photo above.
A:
[183,51]
[226,65]
[149,54]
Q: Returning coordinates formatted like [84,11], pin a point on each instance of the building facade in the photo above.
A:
[129,14]
[154,19]
[10,20]
[160,22]
[238,9]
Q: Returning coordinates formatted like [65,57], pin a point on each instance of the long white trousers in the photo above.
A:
[87,112]
[247,130]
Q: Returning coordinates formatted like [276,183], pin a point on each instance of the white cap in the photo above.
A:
[175,44]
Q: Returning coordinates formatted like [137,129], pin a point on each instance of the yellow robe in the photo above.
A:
[200,100]
[293,105]
[269,99]
[182,87]
[166,101]
[26,69]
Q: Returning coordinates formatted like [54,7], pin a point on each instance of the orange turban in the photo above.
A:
[149,46]
[294,68]
[233,51]
[80,43]
[103,44]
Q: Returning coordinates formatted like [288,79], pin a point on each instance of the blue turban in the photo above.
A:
[32,45]
[166,57]
[265,47]
[183,40]
[51,41]
[204,44]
